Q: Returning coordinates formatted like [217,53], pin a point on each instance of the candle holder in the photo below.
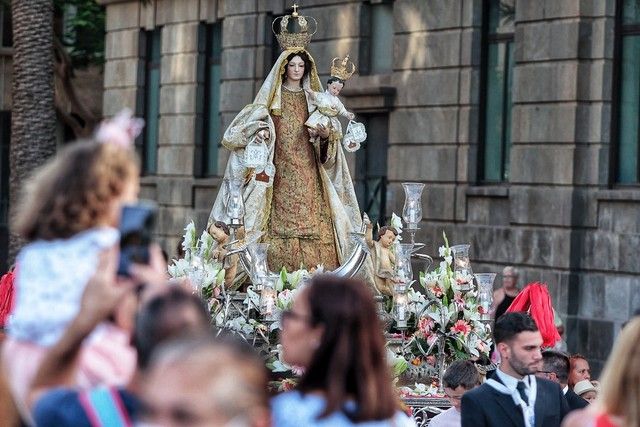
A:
[462,267]
[401,311]
[235,203]
[257,253]
[485,294]
[196,274]
[268,299]
[412,209]
[402,270]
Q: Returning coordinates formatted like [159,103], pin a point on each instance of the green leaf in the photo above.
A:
[446,241]
[220,277]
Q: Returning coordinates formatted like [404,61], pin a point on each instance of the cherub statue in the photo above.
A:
[220,233]
[328,105]
[382,255]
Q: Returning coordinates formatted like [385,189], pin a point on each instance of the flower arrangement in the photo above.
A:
[446,318]
[198,265]
[286,288]
[419,390]
[445,325]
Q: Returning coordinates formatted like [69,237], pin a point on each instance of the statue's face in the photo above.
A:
[387,239]
[218,233]
[295,69]
[335,88]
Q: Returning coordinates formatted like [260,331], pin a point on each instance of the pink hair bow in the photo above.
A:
[121,130]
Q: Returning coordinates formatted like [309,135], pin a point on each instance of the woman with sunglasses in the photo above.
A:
[333,332]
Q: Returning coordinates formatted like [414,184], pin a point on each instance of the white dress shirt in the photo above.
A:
[449,418]
[512,384]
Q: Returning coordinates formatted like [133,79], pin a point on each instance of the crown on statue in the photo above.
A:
[340,71]
[294,31]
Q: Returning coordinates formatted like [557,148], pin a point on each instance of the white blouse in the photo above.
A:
[50,278]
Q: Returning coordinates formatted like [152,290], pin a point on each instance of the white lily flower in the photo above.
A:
[396,222]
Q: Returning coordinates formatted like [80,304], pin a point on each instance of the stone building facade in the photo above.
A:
[514,113]
[6,72]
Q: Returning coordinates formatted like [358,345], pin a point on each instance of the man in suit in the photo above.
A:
[514,396]
[555,367]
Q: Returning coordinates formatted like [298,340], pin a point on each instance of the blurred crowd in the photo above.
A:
[85,345]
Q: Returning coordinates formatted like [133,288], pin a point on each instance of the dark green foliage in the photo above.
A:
[83,30]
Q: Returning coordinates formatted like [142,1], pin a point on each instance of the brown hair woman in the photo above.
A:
[333,332]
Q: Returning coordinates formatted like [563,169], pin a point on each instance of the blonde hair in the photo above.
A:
[73,192]
[620,382]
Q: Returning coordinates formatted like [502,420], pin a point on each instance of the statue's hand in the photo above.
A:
[323,131]
[263,136]
[366,220]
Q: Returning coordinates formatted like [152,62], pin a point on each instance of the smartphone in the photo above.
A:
[137,222]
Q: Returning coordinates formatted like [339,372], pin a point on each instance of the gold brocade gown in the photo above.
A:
[300,232]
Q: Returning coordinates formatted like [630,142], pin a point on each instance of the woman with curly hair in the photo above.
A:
[333,332]
[69,213]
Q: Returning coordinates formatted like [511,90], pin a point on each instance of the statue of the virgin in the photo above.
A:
[301,197]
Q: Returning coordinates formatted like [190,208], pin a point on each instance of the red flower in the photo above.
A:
[425,324]
[458,298]
[437,291]
[461,327]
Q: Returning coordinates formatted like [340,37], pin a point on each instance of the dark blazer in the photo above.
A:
[485,406]
[575,401]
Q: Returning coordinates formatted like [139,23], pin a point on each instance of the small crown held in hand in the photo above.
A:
[340,71]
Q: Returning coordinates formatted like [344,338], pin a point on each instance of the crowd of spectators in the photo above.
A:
[86,346]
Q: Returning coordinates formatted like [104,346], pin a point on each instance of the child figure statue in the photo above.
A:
[328,105]
[382,255]
[220,233]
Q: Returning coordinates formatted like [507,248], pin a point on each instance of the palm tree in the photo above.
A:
[33,117]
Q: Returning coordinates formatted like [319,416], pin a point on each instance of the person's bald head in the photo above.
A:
[208,381]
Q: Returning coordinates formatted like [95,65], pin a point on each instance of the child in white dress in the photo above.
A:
[69,214]
[328,105]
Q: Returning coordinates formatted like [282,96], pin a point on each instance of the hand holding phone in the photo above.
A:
[137,222]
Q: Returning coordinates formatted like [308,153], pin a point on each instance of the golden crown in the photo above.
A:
[290,35]
[340,71]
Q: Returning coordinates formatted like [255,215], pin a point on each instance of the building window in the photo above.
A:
[149,98]
[208,133]
[6,31]
[370,179]
[627,103]
[376,38]
[497,78]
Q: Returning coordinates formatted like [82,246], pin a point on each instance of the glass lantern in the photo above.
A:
[412,209]
[268,298]
[402,269]
[196,274]
[462,267]
[235,203]
[259,265]
[485,294]
[401,311]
